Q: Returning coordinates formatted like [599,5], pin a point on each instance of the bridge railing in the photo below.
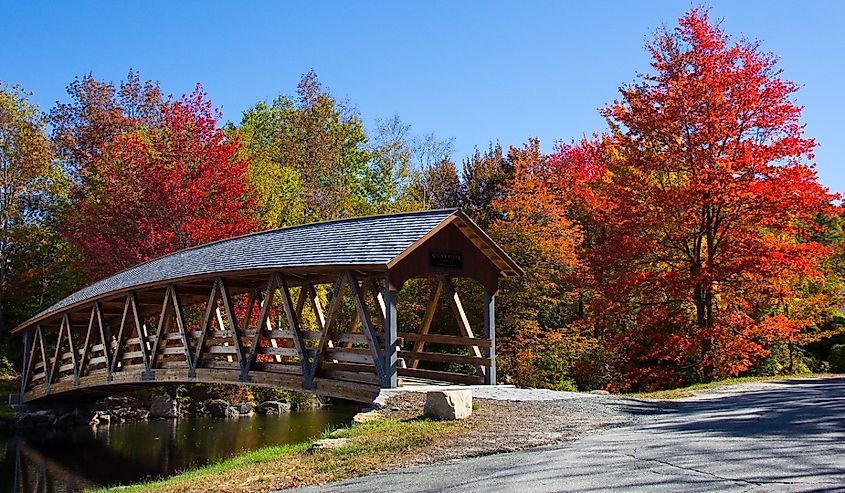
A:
[276,330]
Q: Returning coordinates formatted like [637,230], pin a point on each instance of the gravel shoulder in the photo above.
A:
[510,419]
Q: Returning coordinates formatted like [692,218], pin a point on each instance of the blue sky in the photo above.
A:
[475,71]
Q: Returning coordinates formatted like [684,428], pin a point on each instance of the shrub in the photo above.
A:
[836,358]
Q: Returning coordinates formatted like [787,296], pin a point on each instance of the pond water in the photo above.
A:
[84,457]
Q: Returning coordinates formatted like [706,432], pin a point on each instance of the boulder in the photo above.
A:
[245,408]
[273,407]
[24,422]
[233,412]
[36,419]
[83,416]
[100,419]
[197,408]
[129,414]
[164,407]
[448,404]
[366,417]
[217,408]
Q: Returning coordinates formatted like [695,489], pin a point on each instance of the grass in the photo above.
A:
[372,446]
[683,392]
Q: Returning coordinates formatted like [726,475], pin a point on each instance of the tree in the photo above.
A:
[435,178]
[390,179]
[542,333]
[159,189]
[309,157]
[709,205]
[484,178]
[96,114]
[24,161]
[35,264]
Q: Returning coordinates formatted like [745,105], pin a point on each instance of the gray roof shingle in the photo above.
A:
[372,240]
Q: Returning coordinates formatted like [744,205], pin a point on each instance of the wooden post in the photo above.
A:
[391,330]
[490,334]
[25,371]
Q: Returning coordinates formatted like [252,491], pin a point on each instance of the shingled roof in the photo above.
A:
[372,242]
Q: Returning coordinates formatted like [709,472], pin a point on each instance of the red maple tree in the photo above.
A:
[161,188]
[707,208]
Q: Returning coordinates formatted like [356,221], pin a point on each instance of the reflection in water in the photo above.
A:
[84,457]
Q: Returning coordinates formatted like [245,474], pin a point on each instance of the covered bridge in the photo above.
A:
[310,307]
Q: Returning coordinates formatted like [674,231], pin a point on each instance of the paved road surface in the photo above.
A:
[783,436]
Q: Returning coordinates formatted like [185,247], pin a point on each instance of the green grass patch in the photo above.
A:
[371,447]
[689,391]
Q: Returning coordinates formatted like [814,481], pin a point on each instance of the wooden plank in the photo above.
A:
[97,361]
[221,334]
[444,339]
[352,355]
[441,376]
[353,391]
[279,368]
[279,351]
[171,351]
[220,364]
[350,337]
[445,358]
[132,355]
[351,376]
[222,350]
[354,367]
[175,364]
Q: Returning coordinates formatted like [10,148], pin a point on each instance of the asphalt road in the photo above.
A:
[783,436]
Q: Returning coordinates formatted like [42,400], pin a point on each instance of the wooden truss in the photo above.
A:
[348,344]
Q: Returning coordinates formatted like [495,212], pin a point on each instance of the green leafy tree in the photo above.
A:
[34,265]
[309,157]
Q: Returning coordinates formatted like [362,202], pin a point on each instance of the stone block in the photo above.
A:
[164,407]
[273,407]
[448,404]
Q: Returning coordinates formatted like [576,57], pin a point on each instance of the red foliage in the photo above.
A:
[700,208]
[160,189]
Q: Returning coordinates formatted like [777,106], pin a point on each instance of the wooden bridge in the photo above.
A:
[341,308]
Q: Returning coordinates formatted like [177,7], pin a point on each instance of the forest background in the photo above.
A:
[688,241]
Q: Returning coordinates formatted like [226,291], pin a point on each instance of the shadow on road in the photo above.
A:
[807,408]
